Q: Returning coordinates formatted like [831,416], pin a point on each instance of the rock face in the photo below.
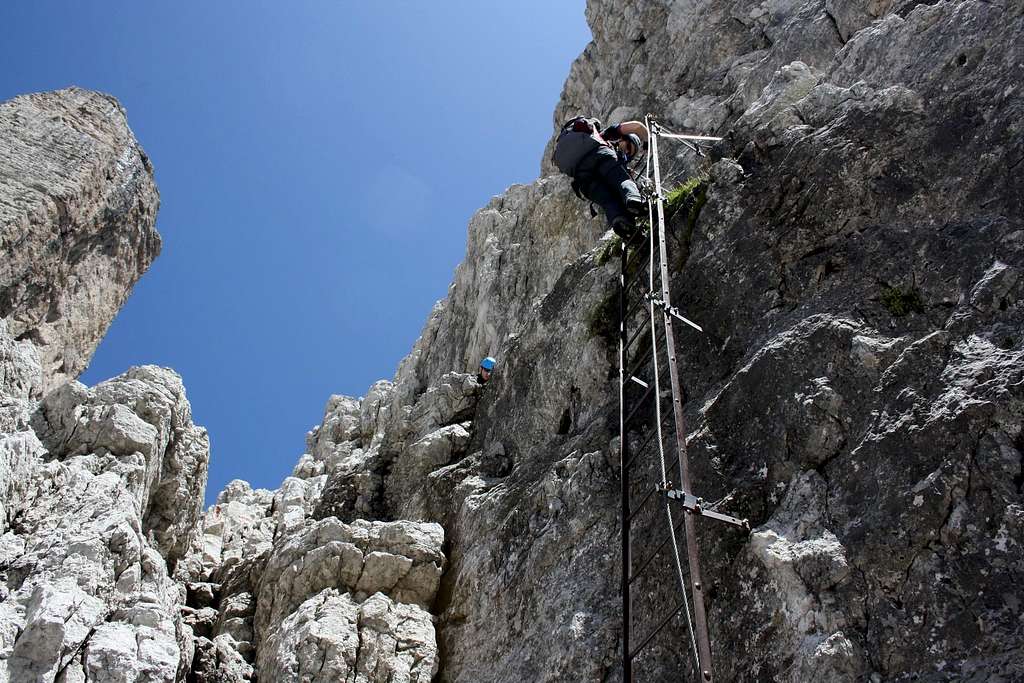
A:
[77,210]
[101,489]
[89,543]
[853,251]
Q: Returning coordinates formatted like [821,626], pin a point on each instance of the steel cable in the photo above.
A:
[652,156]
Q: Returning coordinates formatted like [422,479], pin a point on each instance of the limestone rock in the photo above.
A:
[21,375]
[334,576]
[332,638]
[218,661]
[87,498]
[140,425]
[71,174]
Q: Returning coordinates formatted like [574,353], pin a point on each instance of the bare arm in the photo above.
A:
[627,127]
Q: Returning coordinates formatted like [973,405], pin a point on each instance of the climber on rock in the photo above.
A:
[486,368]
[597,161]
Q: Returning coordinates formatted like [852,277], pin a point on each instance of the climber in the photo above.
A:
[597,161]
[486,367]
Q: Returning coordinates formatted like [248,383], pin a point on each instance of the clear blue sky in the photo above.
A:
[318,163]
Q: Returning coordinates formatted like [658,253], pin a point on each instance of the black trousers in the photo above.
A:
[603,179]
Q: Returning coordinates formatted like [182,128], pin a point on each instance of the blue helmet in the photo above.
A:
[488,363]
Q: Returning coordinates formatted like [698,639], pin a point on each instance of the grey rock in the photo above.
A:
[21,375]
[218,661]
[71,173]
[87,594]
[399,561]
[332,638]
[58,618]
[140,424]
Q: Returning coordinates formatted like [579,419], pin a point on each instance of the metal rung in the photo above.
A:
[650,494]
[696,506]
[673,311]
[638,255]
[640,363]
[643,565]
[637,305]
[639,404]
[639,279]
[639,381]
[647,441]
[639,330]
[634,653]
[676,136]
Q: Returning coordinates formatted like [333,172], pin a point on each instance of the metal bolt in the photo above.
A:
[707,675]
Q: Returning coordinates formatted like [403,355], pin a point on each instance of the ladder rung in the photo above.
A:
[637,305]
[647,441]
[639,404]
[668,473]
[640,363]
[656,630]
[639,330]
[639,381]
[633,513]
[643,565]
[638,256]
[631,285]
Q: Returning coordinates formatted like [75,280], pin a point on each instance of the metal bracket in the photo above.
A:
[671,310]
[695,505]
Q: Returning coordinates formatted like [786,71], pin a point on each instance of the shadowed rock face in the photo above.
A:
[77,211]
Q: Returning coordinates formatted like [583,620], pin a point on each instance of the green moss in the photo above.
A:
[900,303]
[677,196]
[687,199]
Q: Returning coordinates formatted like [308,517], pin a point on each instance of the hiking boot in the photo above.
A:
[636,206]
[624,227]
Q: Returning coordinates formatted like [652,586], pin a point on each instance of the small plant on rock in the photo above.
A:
[900,303]
[689,196]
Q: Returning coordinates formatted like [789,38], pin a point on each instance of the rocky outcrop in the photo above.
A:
[77,210]
[314,599]
[90,540]
[853,256]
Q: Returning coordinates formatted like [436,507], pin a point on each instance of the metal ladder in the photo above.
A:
[645,474]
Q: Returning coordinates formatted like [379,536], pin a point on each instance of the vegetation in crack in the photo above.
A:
[900,302]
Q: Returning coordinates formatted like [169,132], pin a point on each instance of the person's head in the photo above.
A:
[630,145]
[487,367]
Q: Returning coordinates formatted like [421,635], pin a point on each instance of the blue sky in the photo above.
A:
[317,164]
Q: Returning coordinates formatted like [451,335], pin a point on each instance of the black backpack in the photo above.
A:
[577,139]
